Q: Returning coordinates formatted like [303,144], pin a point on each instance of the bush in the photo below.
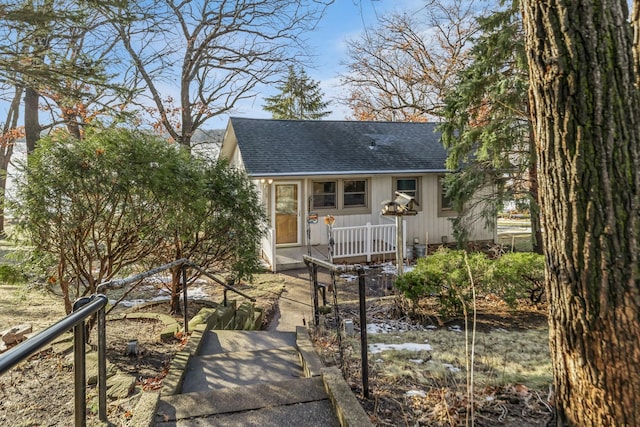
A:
[122,199]
[447,275]
[517,275]
[444,274]
[11,274]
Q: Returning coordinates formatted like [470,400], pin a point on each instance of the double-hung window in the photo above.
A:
[354,193]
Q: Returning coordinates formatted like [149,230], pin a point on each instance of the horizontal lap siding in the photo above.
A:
[427,220]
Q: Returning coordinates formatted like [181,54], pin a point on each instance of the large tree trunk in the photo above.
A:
[586,119]
[31,121]
[9,136]
[534,211]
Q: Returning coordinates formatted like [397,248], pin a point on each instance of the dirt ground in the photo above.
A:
[446,402]
[40,390]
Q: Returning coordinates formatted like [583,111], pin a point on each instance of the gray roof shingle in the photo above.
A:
[323,147]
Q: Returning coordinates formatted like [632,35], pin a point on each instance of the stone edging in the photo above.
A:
[144,413]
[348,410]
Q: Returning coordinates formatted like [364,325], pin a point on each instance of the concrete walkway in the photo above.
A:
[295,306]
[261,378]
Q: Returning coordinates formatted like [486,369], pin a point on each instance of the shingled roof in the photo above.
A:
[323,147]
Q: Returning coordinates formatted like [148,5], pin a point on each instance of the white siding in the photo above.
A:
[426,223]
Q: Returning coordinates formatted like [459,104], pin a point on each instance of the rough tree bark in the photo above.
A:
[31,121]
[586,118]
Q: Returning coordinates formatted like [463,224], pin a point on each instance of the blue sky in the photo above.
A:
[344,20]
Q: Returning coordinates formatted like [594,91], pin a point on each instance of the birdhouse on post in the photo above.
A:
[401,206]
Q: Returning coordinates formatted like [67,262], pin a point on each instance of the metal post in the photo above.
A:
[102,365]
[399,245]
[184,296]
[316,311]
[363,333]
[80,381]
[79,367]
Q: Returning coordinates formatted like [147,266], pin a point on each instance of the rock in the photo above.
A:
[120,386]
[16,334]
[92,368]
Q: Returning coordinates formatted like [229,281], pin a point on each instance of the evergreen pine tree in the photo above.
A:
[299,98]
[487,128]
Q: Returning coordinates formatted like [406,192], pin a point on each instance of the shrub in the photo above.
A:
[517,275]
[447,275]
[444,274]
[11,274]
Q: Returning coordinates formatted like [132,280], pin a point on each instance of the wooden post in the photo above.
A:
[399,245]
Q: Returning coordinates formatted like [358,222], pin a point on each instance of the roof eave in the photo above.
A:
[334,173]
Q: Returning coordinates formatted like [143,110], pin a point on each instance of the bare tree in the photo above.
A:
[56,53]
[196,60]
[400,70]
[10,132]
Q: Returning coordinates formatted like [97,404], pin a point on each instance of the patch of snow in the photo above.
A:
[417,361]
[197,293]
[431,327]
[455,328]
[194,293]
[378,348]
[451,367]
[393,326]
[134,302]
[349,277]
[415,393]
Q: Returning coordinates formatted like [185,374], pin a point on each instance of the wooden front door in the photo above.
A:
[287,213]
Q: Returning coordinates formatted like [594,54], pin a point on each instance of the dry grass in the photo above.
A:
[502,357]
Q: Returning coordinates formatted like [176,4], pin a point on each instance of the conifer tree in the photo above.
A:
[487,128]
[299,98]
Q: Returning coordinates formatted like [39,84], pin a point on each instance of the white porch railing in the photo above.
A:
[366,240]
[269,248]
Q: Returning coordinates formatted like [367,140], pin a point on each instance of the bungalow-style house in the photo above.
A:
[311,172]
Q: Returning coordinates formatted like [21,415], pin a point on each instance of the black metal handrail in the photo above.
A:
[312,265]
[82,309]
[226,286]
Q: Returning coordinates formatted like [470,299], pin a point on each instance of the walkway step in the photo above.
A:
[241,368]
[302,401]
[215,342]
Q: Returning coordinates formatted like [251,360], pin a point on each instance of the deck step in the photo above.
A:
[294,399]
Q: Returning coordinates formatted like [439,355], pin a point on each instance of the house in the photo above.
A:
[307,171]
